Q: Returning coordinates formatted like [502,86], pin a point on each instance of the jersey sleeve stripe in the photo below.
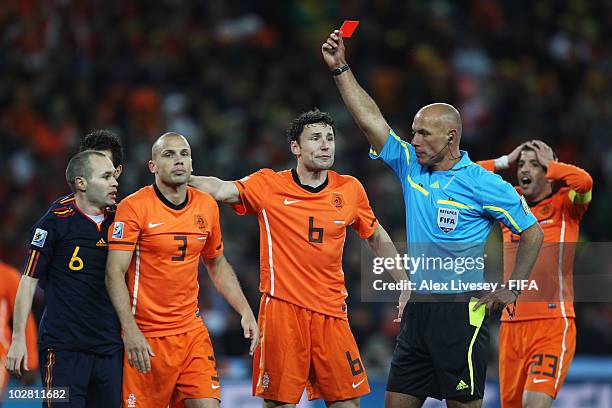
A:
[416,186]
[578,198]
[455,204]
[269,237]
[508,216]
[403,143]
[136,281]
[32,261]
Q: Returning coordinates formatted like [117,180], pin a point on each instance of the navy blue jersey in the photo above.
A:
[68,253]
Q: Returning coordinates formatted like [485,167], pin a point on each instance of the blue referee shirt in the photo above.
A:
[449,215]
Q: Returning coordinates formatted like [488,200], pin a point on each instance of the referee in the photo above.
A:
[451,205]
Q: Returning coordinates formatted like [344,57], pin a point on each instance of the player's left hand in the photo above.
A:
[544,153]
[251,330]
[403,300]
[496,299]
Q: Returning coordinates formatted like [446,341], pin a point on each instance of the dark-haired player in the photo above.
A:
[303,215]
[537,346]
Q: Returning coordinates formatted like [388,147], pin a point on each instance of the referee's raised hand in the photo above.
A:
[333,50]
[497,299]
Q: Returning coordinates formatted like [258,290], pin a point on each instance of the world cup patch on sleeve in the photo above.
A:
[118,230]
[40,235]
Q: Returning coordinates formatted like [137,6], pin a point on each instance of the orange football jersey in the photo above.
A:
[302,234]
[167,241]
[559,216]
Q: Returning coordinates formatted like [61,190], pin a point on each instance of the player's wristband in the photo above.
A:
[338,71]
[502,163]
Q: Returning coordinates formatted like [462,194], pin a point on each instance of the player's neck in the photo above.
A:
[87,207]
[541,195]
[312,178]
[175,194]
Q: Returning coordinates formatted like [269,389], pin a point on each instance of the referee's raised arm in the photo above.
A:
[363,108]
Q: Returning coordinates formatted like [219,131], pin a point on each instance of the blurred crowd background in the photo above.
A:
[230,76]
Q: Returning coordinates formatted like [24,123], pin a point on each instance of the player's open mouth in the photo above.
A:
[525,180]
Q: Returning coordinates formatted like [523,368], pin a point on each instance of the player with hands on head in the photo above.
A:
[537,345]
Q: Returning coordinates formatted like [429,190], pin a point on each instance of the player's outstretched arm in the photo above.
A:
[527,254]
[366,113]
[137,348]
[222,191]
[17,357]
[224,278]
[381,245]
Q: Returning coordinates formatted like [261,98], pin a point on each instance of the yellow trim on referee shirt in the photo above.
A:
[578,198]
[416,186]
[455,204]
[402,142]
[501,210]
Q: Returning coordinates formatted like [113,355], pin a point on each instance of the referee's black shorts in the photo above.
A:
[441,350]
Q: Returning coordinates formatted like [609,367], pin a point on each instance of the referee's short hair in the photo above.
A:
[80,166]
[296,127]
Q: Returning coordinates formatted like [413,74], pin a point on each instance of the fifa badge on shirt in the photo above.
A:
[118,230]
[447,219]
[40,235]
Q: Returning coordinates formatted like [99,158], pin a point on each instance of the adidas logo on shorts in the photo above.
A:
[462,385]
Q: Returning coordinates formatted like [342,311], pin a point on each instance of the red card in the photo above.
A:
[348,28]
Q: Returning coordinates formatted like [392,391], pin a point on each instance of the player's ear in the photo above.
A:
[118,171]
[80,183]
[295,147]
[151,166]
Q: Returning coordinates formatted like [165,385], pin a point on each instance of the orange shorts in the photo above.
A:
[301,348]
[534,355]
[183,367]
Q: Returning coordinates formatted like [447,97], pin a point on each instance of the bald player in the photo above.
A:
[451,205]
[158,237]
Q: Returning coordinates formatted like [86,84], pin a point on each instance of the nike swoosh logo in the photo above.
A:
[214,387]
[539,380]
[289,202]
[358,384]
[151,225]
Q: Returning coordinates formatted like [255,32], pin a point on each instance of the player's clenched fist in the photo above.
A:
[333,50]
